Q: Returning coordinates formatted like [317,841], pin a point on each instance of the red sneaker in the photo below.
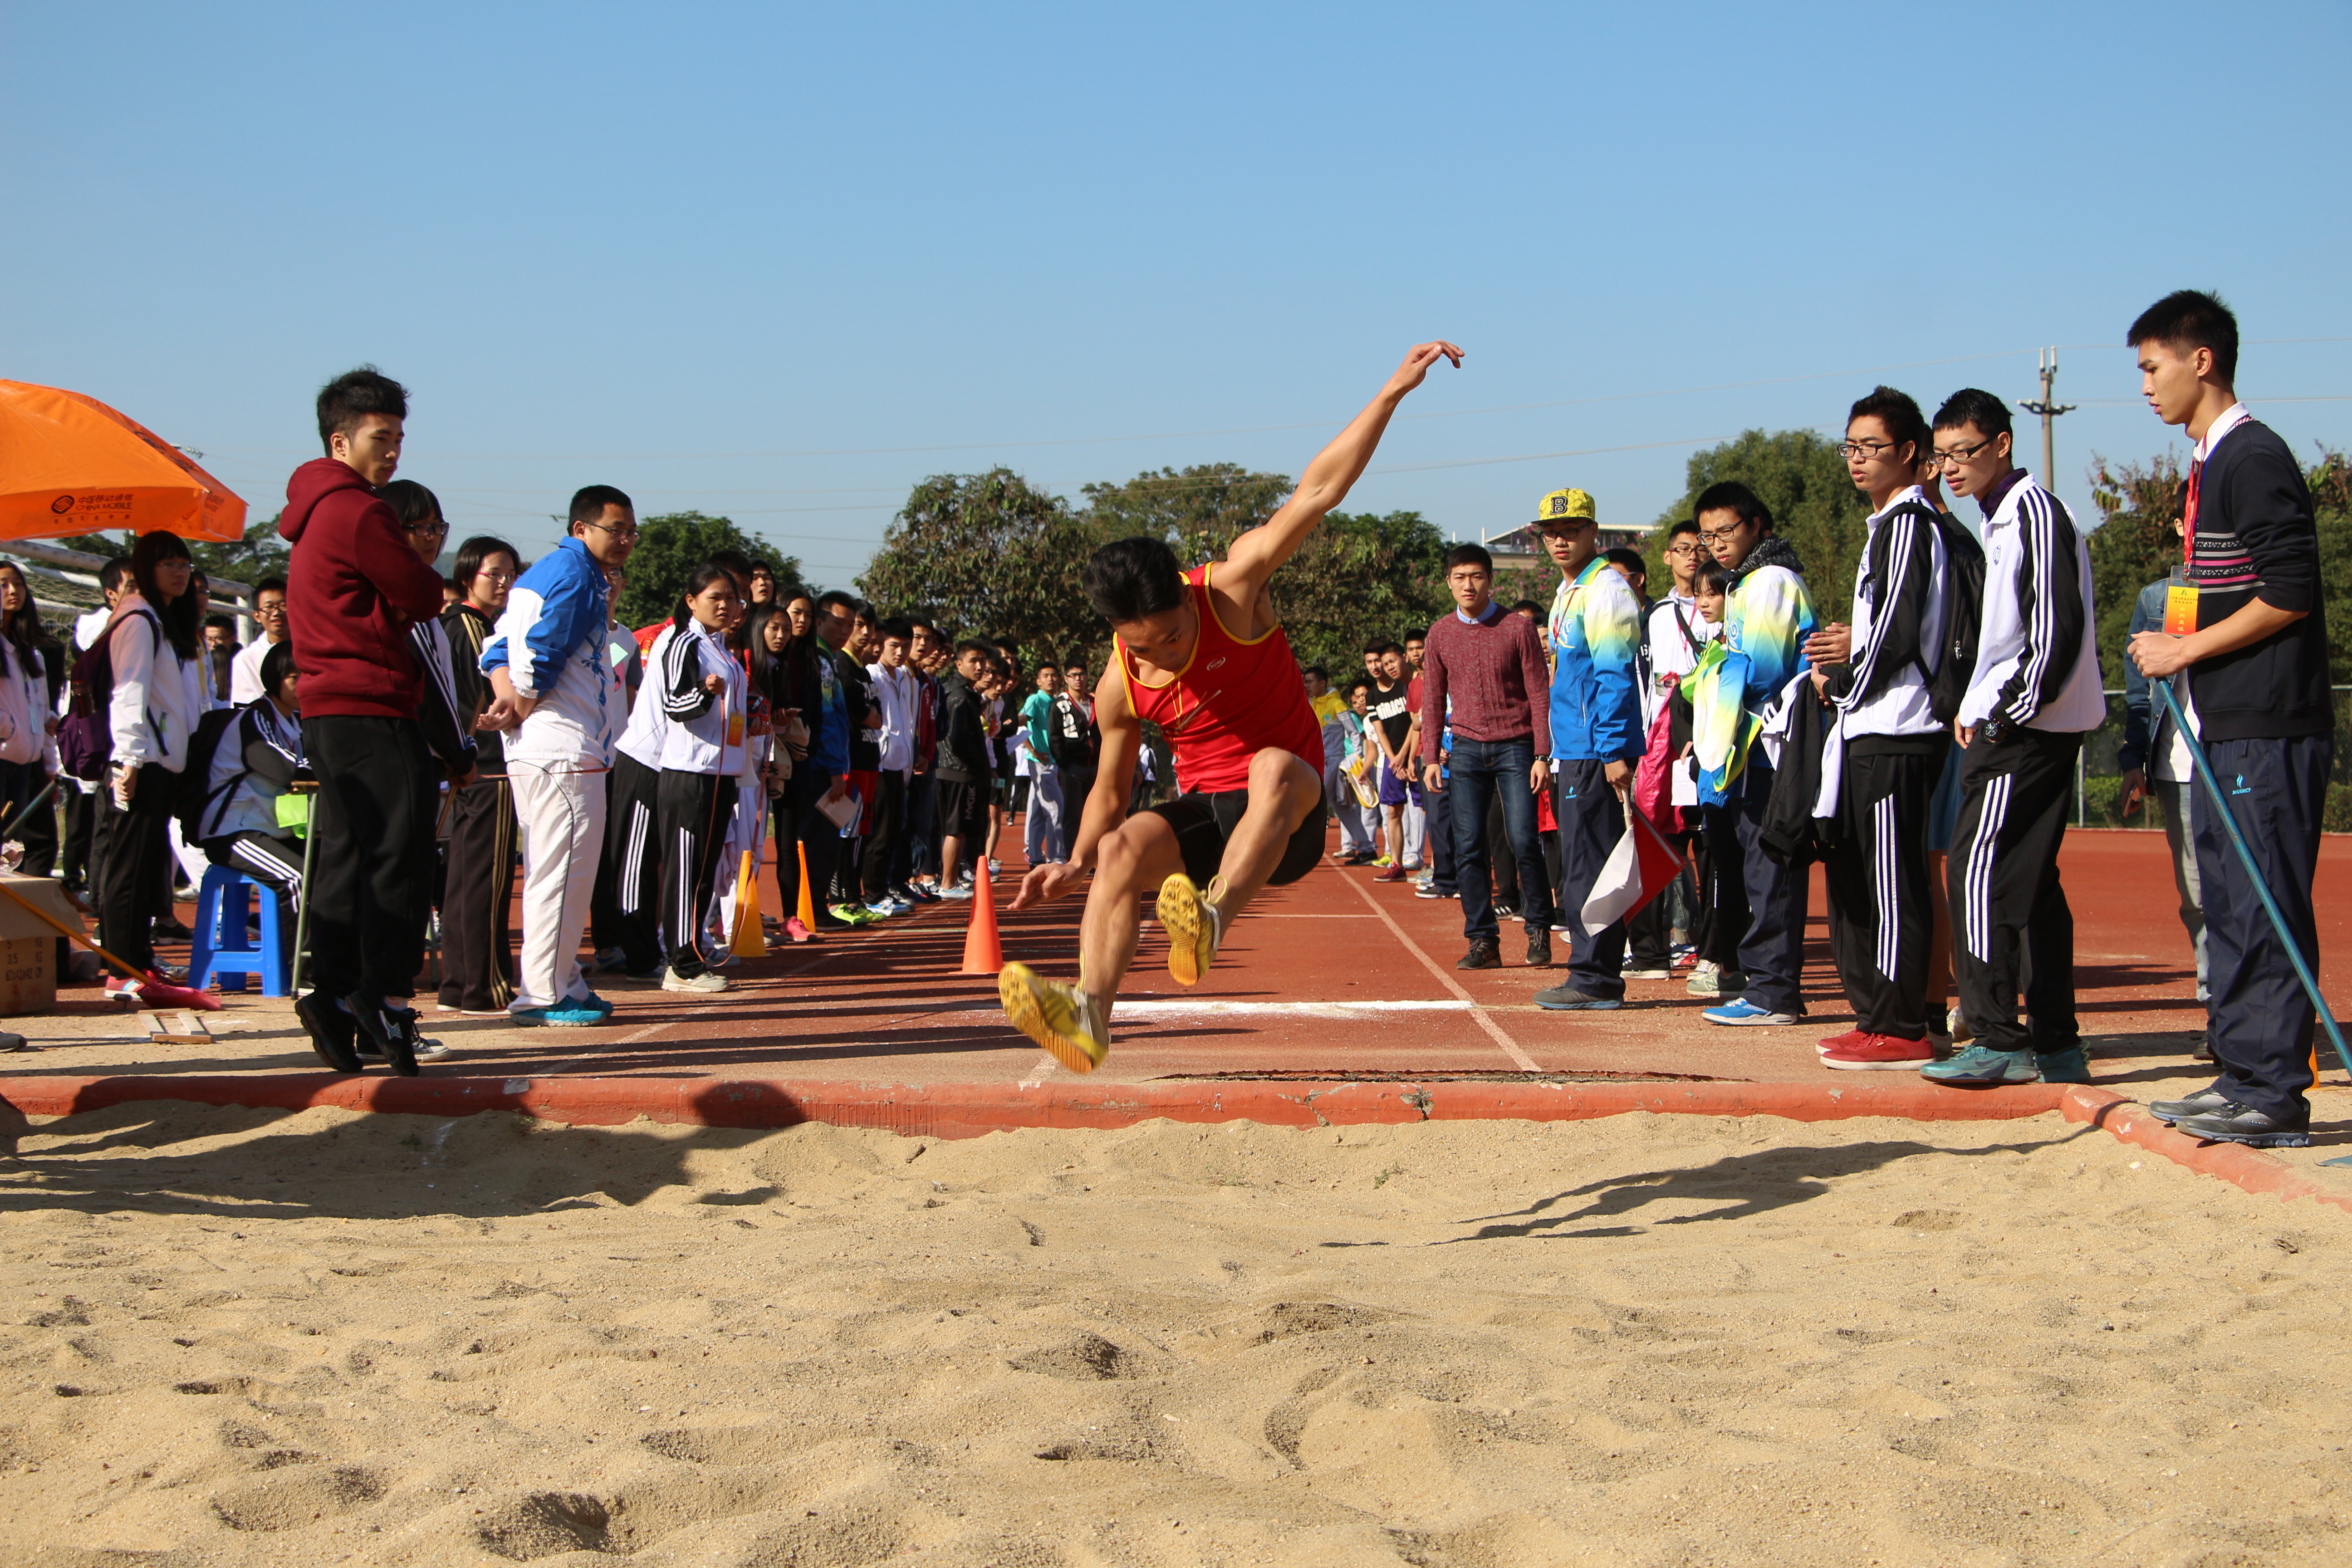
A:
[1840,1042]
[1393,874]
[1882,1053]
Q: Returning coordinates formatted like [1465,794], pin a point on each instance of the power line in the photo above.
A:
[1242,430]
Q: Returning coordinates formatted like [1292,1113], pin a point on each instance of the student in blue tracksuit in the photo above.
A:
[1594,631]
[546,662]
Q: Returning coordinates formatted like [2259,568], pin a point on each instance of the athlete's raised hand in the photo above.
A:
[1045,883]
[1417,362]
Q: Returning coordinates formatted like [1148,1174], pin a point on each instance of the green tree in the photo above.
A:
[2132,544]
[1357,577]
[1814,507]
[260,553]
[671,546]
[1199,511]
[988,553]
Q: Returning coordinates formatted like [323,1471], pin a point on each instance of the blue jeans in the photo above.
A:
[1482,770]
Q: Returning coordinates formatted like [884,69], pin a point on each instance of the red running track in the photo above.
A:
[1336,977]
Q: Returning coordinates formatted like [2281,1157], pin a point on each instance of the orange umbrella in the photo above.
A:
[69,464]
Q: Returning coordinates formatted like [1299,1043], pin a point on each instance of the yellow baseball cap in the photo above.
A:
[1566,506]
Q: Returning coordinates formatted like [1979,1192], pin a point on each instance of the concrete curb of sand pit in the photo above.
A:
[2250,1169]
[973,1109]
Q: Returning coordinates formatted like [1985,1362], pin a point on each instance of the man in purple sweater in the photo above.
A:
[1492,666]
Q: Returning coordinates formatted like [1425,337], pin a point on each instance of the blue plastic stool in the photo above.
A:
[222,950]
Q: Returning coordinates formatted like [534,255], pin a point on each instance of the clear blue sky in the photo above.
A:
[701,251]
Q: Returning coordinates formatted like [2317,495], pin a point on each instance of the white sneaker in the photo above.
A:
[707,981]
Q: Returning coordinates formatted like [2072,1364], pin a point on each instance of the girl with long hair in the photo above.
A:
[28,749]
[703,694]
[157,700]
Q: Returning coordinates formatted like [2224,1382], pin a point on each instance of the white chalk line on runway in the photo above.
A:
[1520,1058]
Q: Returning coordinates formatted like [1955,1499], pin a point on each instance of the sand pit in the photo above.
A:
[242,1337]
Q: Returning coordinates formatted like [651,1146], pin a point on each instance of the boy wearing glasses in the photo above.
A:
[546,661]
[2034,694]
[1759,923]
[1887,743]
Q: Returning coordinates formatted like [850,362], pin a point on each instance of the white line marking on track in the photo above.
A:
[1345,1010]
[1520,1058]
[1040,1073]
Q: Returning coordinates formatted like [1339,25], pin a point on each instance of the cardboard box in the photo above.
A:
[28,975]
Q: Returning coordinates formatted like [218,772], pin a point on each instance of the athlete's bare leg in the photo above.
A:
[1130,862]
[1142,853]
[1283,791]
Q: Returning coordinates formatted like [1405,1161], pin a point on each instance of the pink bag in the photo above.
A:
[1654,777]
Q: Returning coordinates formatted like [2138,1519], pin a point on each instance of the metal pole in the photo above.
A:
[2046,406]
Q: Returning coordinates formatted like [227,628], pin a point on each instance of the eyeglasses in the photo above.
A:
[627,536]
[429,529]
[1850,450]
[1962,454]
[1682,549]
[495,577]
[1721,535]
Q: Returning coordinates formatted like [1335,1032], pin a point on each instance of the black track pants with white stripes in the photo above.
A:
[693,831]
[632,862]
[1876,873]
[2006,904]
[262,857]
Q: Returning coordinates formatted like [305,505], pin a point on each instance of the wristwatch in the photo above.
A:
[1995,729]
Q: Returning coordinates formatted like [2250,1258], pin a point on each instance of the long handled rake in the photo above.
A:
[2254,872]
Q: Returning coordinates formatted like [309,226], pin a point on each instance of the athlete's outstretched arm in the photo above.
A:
[1327,482]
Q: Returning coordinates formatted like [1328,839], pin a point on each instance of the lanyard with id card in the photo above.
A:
[2180,593]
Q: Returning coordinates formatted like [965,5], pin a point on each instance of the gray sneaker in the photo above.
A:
[1567,998]
[707,981]
[2197,1104]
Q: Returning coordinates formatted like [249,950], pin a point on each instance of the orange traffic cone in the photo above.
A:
[807,912]
[983,954]
[749,941]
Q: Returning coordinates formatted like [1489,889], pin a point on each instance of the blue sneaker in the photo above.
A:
[1741,1013]
[587,1002]
[565,1015]
[1981,1065]
[2069,1066]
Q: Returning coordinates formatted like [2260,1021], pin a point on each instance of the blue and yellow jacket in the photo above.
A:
[1595,632]
[1766,622]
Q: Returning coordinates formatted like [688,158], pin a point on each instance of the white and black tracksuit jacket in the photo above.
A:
[2036,686]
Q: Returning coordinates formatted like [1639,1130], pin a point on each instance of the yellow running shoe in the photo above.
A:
[1192,925]
[1059,1016]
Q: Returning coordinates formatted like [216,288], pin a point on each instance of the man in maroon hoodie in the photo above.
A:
[351,590]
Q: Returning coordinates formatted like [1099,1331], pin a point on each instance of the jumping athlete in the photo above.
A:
[1201,654]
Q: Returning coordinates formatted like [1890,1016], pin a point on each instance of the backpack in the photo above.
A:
[192,792]
[86,734]
[1964,579]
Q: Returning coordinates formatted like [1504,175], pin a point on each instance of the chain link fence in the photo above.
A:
[2098,776]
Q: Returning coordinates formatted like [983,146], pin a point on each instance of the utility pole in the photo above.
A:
[2049,409]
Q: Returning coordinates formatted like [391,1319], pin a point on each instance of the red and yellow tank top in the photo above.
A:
[1233,699]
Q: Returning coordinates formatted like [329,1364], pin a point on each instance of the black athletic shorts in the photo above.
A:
[964,807]
[1203,822]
